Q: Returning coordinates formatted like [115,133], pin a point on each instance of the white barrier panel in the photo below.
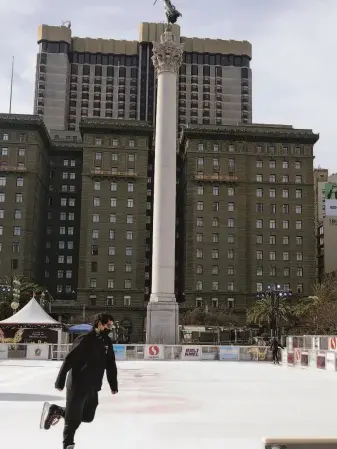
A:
[229,353]
[312,359]
[3,351]
[36,351]
[191,353]
[330,364]
[284,355]
[154,352]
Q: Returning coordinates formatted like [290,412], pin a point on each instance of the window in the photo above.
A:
[199,285]
[272,224]
[298,193]
[129,219]
[111,234]
[285,164]
[128,268]
[60,259]
[95,218]
[113,202]
[60,274]
[259,287]
[285,178]
[230,270]
[285,208]
[259,224]
[70,245]
[199,253]
[216,206]
[3,181]
[298,165]
[4,151]
[114,157]
[216,191]
[230,238]
[272,240]
[285,224]
[97,202]
[95,233]
[259,193]
[112,251]
[215,254]
[72,202]
[15,247]
[109,301]
[111,267]
[127,284]
[215,286]
[285,255]
[69,274]
[130,202]
[200,205]
[272,193]
[114,142]
[272,164]
[17,230]
[273,208]
[272,271]
[98,156]
[259,255]
[93,283]
[230,286]
[62,230]
[259,239]
[2,213]
[272,178]
[299,272]
[98,141]
[298,179]
[286,271]
[94,249]
[200,147]
[298,209]
[298,224]
[299,288]
[299,240]
[272,255]
[199,237]
[199,269]
[113,186]
[299,257]
[5,136]
[285,240]
[230,191]
[128,251]
[230,254]
[131,143]
[111,283]
[19,198]
[200,222]
[200,161]
[259,178]
[127,300]
[259,271]
[231,207]
[231,222]
[285,193]
[215,222]
[200,190]
[71,231]
[259,164]
[130,186]
[129,235]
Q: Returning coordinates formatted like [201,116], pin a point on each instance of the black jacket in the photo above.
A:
[89,357]
[275,345]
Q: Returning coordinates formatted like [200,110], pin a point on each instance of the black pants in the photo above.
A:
[80,407]
[275,355]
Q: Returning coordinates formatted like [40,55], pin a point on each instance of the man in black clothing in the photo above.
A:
[275,345]
[90,356]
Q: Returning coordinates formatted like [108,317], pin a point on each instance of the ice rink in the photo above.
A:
[175,405]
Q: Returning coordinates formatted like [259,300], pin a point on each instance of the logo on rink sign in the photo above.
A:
[191,352]
[154,352]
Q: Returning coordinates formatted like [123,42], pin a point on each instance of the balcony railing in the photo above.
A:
[109,173]
[8,168]
[216,178]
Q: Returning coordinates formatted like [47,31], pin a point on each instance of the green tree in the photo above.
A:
[219,317]
[17,289]
[270,309]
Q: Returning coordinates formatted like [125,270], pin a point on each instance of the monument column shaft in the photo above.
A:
[164,204]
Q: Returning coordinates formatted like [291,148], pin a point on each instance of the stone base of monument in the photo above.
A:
[162,325]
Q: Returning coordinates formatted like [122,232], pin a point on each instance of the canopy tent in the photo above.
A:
[31,316]
[78,328]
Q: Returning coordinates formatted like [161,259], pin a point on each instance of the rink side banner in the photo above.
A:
[154,352]
[120,352]
[191,353]
[229,353]
[37,352]
[255,354]
[3,351]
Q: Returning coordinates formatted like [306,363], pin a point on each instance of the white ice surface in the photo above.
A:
[174,405]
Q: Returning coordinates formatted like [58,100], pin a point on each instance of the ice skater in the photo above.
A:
[91,355]
[274,347]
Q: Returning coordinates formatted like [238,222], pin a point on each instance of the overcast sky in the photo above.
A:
[294,50]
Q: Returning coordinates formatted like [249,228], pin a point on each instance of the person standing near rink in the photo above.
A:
[91,355]
[274,347]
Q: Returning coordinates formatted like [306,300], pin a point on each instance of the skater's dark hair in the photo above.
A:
[103,318]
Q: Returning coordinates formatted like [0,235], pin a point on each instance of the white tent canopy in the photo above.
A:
[31,314]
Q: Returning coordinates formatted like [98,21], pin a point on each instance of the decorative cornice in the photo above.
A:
[115,125]
[167,54]
[23,120]
[247,133]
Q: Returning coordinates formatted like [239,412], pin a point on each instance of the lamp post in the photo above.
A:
[275,293]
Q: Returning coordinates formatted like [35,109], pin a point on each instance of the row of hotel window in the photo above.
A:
[113,186]
[231,238]
[272,270]
[5,136]
[259,192]
[110,283]
[113,202]
[3,182]
[259,253]
[259,207]
[114,157]
[115,142]
[259,287]
[16,230]
[110,301]
[259,223]
[112,234]
[20,152]
[17,214]
[259,164]
[231,149]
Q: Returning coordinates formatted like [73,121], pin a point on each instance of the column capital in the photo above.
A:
[167,54]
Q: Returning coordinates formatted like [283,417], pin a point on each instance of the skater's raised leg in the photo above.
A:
[51,414]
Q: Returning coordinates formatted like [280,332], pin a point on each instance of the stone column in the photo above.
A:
[162,312]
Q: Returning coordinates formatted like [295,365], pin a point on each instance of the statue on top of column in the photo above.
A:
[172,14]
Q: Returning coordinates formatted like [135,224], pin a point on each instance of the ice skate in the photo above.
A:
[50,416]
[71,447]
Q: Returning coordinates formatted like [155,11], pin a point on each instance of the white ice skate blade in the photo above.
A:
[45,410]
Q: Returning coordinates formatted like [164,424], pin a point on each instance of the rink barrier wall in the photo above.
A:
[294,357]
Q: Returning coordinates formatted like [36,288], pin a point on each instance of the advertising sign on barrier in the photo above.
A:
[297,356]
[229,353]
[330,361]
[3,351]
[312,359]
[304,359]
[290,343]
[191,353]
[320,360]
[254,354]
[120,352]
[315,343]
[284,356]
[153,352]
[333,343]
[35,352]
[290,358]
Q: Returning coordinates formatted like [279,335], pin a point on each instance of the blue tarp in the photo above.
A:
[80,328]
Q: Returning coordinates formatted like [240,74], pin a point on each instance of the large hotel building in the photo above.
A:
[76,181]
